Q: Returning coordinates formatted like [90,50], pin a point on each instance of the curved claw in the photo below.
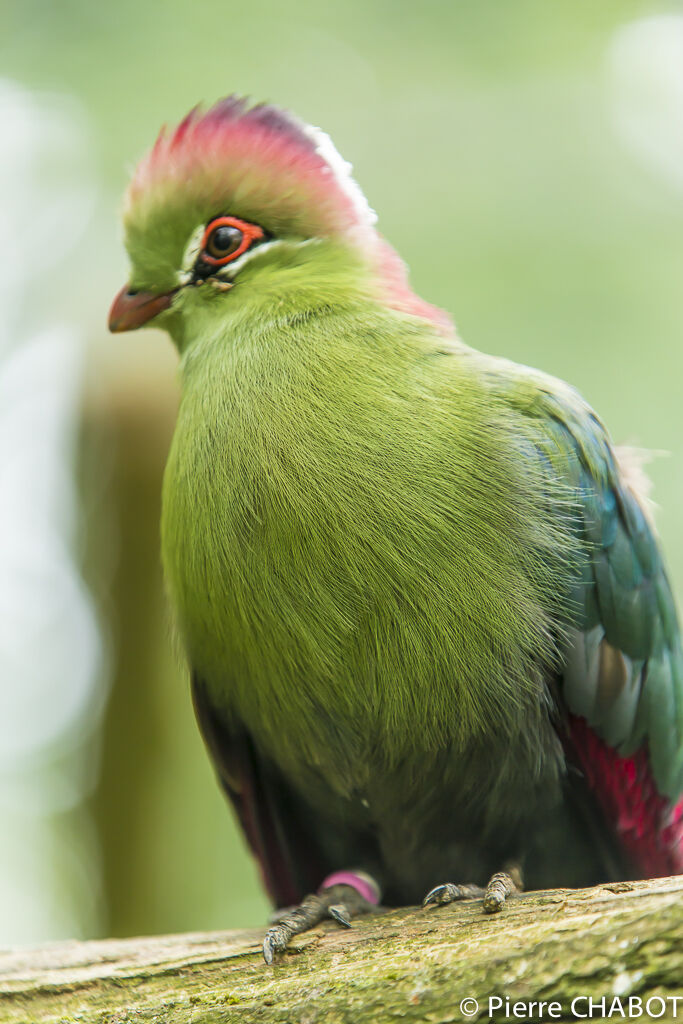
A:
[435,896]
[338,903]
[275,941]
[449,893]
[277,938]
[500,886]
[341,914]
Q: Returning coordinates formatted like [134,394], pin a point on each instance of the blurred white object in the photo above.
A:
[645,67]
[51,673]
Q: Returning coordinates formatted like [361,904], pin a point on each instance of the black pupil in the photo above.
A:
[224,240]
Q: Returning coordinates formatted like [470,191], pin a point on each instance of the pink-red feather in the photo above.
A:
[648,826]
[232,142]
[264,165]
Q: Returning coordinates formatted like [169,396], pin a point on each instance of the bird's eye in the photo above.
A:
[226,238]
[223,241]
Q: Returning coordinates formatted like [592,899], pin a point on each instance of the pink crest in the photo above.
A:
[264,165]
[259,156]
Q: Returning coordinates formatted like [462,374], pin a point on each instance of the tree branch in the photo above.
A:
[620,939]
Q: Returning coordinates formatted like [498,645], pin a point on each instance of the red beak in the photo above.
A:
[133,309]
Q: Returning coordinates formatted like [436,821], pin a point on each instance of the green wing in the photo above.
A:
[623,662]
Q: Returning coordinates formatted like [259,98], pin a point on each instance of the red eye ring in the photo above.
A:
[250,233]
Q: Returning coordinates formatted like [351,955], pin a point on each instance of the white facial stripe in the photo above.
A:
[233,268]
[341,169]
[192,250]
[230,270]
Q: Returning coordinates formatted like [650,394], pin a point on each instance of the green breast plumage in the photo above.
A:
[364,552]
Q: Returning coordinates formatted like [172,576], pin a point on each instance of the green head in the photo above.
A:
[238,196]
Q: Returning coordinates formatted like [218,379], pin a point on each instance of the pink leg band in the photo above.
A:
[358,880]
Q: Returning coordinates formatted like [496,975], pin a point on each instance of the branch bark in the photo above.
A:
[616,940]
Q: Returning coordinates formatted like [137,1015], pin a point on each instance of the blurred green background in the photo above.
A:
[526,159]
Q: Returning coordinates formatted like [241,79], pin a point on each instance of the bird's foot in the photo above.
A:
[343,895]
[449,893]
[499,887]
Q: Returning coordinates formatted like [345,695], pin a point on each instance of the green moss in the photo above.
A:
[408,966]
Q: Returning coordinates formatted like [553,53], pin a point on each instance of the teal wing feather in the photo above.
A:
[623,661]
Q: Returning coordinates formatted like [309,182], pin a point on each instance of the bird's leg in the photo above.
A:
[343,895]
[499,887]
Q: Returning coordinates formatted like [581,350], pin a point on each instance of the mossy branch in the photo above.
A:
[616,940]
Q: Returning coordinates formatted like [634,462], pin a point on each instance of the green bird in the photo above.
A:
[432,643]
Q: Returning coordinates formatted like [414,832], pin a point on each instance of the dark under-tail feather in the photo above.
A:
[270,813]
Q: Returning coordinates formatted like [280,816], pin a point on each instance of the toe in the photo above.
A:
[275,941]
[449,893]
[339,903]
[435,896]
[497,891]
[441,894]
[493,903]
[340,913]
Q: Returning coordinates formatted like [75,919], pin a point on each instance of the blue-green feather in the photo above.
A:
[621,597]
